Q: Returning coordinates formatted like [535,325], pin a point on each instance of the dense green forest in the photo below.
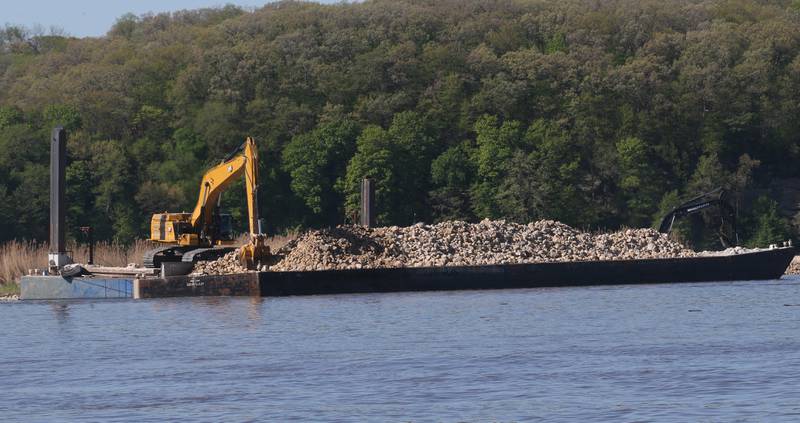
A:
[600,113]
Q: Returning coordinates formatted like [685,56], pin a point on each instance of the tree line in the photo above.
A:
[600,114]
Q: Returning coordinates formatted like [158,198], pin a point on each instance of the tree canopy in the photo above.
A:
[600,114]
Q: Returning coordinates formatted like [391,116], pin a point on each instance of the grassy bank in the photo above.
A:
[7,289]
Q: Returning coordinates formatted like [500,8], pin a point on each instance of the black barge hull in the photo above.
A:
[763,265]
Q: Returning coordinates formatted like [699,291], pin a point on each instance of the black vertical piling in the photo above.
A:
[87,230]
[58,165]
[367,203]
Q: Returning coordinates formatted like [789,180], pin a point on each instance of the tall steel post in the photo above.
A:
[367,203]
[58,165]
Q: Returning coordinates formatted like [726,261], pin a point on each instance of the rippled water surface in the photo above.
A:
[682,352]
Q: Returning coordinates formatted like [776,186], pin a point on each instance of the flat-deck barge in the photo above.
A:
[761,265]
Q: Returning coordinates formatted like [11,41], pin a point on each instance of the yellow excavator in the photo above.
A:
[207,234]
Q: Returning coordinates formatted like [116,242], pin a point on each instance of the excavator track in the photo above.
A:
[170,253]
[205,254]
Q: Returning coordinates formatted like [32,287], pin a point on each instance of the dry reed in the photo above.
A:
[17,257]
[274,242]
[277,241]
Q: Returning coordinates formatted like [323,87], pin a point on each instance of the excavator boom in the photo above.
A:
[216,180]
[727,231]
[251,185]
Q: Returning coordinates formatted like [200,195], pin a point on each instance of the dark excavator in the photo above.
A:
[727,231]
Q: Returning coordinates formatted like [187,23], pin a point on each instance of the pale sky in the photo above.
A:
[91,18]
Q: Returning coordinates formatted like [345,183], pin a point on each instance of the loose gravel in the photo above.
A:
[459,243]
[227,264]
[794,266]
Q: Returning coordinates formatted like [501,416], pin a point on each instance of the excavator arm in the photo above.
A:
[216,180]
[727,215]
[243,160]
[252,254]
[251,185]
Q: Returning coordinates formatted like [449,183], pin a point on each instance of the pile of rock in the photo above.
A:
[459,243]
[225,265]
[731,251]
[794,266]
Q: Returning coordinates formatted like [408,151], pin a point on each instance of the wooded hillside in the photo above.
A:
[596,113]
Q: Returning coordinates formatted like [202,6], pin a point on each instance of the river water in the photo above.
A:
[672,352]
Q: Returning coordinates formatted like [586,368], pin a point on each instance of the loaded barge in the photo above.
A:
[183,232]
[761,265]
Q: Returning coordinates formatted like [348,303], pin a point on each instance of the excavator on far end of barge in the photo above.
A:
[727,231]
[207,234]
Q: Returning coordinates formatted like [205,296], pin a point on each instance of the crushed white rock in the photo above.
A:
[794,266]
[732,251]
[227,264]
[459,243]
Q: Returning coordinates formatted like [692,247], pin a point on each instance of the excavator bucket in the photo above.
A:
[255,253]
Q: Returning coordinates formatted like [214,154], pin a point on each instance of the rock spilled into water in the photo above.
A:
[459,243]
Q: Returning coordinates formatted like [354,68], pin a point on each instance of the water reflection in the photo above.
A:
[254,309]
[61,312]
[228,310]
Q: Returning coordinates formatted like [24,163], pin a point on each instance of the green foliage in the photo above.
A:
[398,161]
[216,123]
[545,183]
[495,147]
[708,175]
[681,229]
[637,174]
[125,26]
[316,162]
[62,115]
[32,196]
[770,227]
[452,174]
[10,115]
[591,113]
[556,43]
[373,159]
[7,218]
